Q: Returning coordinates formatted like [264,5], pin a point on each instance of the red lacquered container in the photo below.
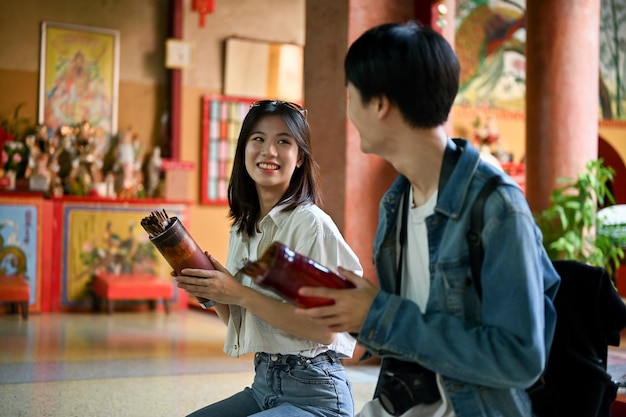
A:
[181,251]
[284,271]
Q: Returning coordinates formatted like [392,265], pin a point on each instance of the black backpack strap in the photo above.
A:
[476,226]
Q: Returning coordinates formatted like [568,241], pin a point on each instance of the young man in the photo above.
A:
[447,351]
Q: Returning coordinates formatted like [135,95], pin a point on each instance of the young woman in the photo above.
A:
[273,196]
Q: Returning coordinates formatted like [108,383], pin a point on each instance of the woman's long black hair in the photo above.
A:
[303,187]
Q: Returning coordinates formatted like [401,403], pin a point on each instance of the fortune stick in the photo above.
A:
[156,223]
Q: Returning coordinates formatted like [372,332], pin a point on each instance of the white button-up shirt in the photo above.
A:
[308,231]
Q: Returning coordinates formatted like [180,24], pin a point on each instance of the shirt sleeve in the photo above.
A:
[321,240]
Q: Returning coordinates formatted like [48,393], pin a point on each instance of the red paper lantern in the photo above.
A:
[203,7]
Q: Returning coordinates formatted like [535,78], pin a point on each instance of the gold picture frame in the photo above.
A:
[78,77]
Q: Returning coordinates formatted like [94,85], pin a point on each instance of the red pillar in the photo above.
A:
[562,58]
[367,176]
[325,97]
[352,182]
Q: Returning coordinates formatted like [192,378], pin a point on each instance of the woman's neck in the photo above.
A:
[267,201]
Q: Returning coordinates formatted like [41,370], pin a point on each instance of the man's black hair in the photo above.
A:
[412,65]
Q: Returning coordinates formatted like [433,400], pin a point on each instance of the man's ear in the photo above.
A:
[383,105]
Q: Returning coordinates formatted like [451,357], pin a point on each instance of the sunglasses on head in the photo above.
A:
[289,104]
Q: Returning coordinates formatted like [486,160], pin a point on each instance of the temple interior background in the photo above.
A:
[130,107]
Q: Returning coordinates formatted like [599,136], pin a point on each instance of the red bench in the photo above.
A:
[112,287]
[15,290]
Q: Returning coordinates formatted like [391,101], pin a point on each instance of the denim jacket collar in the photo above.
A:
[452,198]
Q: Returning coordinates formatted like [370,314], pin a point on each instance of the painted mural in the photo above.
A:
[613,59]
[18,243]
[490,42]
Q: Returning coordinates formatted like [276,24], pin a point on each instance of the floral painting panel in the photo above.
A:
[107,239]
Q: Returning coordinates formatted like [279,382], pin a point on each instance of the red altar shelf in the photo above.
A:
[64,242]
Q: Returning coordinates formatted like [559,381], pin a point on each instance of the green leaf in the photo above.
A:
[569,224]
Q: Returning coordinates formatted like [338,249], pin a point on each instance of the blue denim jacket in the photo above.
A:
[487,352]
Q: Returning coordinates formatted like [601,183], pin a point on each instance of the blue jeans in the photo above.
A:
[290,386]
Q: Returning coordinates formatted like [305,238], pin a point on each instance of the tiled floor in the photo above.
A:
[127,364]
[133,364]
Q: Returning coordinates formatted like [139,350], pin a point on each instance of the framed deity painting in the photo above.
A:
[78,77]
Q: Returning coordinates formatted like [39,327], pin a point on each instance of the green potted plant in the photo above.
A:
[570,224]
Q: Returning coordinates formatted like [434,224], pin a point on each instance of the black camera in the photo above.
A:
[403,385]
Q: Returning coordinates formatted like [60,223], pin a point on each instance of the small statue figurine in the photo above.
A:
[128,164]
[152,172]
[486,134]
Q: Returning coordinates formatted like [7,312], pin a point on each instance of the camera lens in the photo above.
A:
[403,385]
[387,404]
[396,398]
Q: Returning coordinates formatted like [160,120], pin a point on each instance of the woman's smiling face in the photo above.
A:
[272,155]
